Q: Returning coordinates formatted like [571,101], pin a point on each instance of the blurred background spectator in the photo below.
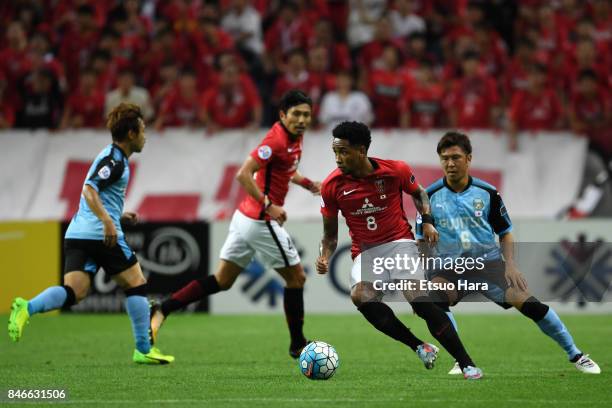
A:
[514,66]
[345,104]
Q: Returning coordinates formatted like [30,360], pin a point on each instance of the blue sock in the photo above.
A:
[49,299]
[138,310]
[452,319]
[553,327]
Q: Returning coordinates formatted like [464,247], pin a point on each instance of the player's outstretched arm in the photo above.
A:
[329,242]
[313,186]
[514,277]
[95,204]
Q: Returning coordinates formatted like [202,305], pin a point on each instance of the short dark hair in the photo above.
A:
[454,138]
[293,98]
[587,74]
[470,55]
[538,68]
[123,118]
[356,133]
[85,9]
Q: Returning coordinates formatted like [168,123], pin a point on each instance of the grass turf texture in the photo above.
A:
[243,361]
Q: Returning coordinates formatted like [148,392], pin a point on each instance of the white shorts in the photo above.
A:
[248,237]
[402,247]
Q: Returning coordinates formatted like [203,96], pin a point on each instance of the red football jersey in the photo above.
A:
[278,156]
[473,99]
[536,112]
[89,107]
[372,206]
[424,104]
[231,112]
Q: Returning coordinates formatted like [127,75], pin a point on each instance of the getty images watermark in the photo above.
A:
[567,271]
[392,271]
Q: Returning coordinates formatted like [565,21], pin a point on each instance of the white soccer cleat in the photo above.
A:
[472,373]
[456,370]
[428,353]
[587,366]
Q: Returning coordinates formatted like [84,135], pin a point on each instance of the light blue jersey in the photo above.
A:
[467,221]
[108,175]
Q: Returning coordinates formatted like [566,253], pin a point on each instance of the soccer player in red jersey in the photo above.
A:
[368,193]
[256,226]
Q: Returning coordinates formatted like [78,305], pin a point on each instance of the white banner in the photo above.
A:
[184,175]
[258,290]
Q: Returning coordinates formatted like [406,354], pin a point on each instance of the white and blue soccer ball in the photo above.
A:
[318,360]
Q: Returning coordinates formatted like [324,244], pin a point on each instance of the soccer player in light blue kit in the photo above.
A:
[94,238]
[468,213]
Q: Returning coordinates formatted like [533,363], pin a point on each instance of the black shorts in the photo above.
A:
[493,274]
[89,255]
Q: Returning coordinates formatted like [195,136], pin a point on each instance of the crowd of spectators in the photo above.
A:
[510,65]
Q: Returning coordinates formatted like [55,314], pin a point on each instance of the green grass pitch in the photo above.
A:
[229,361]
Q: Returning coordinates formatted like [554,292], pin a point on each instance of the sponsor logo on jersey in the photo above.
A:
[264,152]
[368,208]
[367,204]
[348,192]
[104,172]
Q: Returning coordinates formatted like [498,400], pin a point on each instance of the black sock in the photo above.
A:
[534,309]
[442,329]
[194,290]
[293,303]
[382,317]
[576,357]
[70,297]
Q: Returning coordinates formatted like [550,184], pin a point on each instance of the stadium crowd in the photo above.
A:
[510,65]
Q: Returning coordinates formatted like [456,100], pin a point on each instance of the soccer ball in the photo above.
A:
[318,360]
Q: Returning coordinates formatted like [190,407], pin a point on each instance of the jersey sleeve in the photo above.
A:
[329,205]
[265,151]
[498,215]
[107,171]
[408,182]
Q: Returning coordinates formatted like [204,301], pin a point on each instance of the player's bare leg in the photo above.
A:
[441,327]
[80,282]
[197,289]
[133,283]
[382,317]
[549,322]
[293,302]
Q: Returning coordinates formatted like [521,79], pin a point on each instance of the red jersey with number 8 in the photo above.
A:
[371,205]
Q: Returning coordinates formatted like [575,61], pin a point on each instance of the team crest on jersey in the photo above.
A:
[104,172]
[478,207]
[264,152]
[380,186]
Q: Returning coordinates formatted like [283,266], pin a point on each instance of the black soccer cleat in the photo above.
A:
[296,350]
